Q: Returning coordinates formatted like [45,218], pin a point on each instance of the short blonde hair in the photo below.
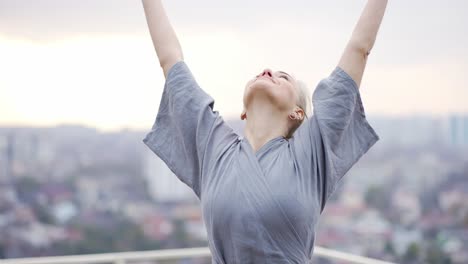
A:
[304,102]
[303,97]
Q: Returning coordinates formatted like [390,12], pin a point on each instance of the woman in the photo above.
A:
[261,195]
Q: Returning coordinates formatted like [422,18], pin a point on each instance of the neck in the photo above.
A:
[264,123]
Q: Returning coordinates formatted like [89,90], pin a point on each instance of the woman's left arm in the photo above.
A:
[354,58]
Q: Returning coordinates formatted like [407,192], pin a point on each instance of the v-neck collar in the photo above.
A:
[263,147]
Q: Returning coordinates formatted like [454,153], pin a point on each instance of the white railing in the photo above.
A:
[169,254]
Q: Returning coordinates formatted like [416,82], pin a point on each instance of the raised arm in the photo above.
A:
[165,41]
[354,58]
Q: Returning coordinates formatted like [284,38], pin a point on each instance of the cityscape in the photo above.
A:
[82,83]
[72,189]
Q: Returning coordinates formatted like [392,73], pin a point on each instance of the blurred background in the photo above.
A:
[80,86]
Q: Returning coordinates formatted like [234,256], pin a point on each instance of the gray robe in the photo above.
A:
[260,207]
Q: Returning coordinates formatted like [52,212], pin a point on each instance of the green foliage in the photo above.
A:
[378,197]
[389,248]
[2,250]
[43,214]
[412,253]
[435,255]
[123,236]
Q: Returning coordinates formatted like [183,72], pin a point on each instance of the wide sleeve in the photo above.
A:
[336,136]
[185,125]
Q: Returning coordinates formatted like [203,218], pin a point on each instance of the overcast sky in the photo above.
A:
[92,62]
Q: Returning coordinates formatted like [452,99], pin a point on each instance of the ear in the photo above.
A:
[297,114]
[300,113]
[243,115]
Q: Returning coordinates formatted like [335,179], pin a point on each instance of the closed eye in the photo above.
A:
[285,77]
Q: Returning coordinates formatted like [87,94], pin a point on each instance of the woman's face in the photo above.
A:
[278,86]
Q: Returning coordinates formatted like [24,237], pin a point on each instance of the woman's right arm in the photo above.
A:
[165,41]
[354,58]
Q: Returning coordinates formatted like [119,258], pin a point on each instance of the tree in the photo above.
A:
[435,255]
[412,253]
[378,197]
[389,248]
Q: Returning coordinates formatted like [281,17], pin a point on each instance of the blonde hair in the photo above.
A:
[304,102]
[303,97]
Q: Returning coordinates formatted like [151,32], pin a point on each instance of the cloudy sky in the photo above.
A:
[92,62]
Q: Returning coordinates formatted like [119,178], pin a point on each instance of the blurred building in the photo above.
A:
[456,128]
[163,184]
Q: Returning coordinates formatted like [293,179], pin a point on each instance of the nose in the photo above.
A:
[267,72]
